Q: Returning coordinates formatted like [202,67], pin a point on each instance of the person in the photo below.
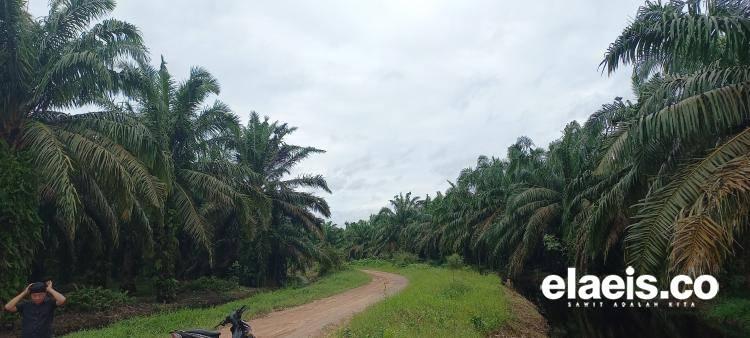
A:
[37,315]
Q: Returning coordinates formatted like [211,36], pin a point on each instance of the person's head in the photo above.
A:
[38,292]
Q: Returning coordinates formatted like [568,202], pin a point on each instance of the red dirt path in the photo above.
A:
[321,316]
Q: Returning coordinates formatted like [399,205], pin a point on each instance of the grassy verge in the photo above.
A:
[434,304]
[160,325]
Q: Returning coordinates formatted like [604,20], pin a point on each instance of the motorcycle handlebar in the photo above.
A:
[224,322]
[228,319]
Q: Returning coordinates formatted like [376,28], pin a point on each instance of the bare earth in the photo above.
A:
[321,316]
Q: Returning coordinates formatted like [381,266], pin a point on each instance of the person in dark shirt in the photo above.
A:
[37,314]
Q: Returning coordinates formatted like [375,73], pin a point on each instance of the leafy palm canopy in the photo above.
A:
[158,180]
[90,177]
[69,58]
[294,210]
[659,183]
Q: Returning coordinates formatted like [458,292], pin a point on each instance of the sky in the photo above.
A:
[402,95]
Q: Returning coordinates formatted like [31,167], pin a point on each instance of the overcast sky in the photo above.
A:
[401,94]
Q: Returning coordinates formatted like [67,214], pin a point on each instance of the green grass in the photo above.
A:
[161,324]
[732,315]
[433,305]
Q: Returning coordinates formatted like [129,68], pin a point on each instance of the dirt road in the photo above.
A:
[316,318]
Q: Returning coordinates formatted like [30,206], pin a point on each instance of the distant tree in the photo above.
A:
[286,238]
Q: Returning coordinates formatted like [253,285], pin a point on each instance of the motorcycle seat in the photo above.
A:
[206,333]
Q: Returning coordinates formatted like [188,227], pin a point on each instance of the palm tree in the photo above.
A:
[266,160]
[601,197]
[692,59]
[91,175]
[190,139]
[63,61]
[545,202]
[359,238]
[474,206]
[391,222]
[660,183]
[420,236]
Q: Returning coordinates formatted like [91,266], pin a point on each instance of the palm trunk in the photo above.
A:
[164,260]
[128,268]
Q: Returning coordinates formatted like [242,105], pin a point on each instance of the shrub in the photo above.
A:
[95,299]
[330,260]
[402,258]
[166,289]
[733,312]
[296,281]
[479,323]
[242,274]
[454,262]
[208,283]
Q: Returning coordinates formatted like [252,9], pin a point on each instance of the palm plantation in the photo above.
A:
[157,179]
[84,165]
[659,183]
[160,181]
[191,139]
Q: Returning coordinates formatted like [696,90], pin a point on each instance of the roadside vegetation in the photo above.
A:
[159,183]
[95,307]
[660,182]
[438,302]
[155,185]
[732,313]
[159,325]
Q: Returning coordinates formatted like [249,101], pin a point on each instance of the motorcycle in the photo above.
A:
[239,329]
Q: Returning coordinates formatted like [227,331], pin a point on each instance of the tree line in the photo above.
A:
[660,182]
[161,182]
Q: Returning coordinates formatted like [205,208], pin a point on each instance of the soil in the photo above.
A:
[324,315]
[525,321]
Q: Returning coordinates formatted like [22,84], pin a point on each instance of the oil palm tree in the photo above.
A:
[697,58]
[190,138]
[94,180]
[391,222]
[189,134]
[421,236]
[359,237]
[479,199]
[293,213]
[64,60]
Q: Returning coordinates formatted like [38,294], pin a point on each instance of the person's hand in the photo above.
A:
[49,285]
[27,290]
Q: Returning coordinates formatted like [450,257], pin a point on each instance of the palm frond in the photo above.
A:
[56,168]
[190,218]
[647,239]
